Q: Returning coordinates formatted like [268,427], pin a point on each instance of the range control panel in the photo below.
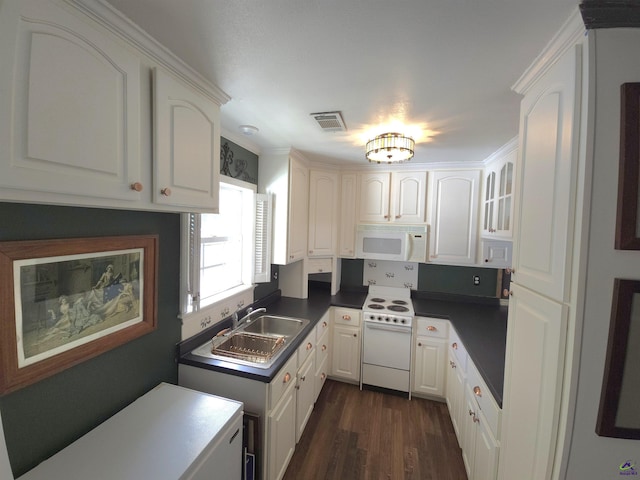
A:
[387,319]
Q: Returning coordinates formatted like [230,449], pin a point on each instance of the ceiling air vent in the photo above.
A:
[330,121]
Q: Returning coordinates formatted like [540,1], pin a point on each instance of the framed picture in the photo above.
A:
[627,223]
[618,414]
[67,300]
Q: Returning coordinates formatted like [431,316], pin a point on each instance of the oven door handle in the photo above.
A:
[392,328]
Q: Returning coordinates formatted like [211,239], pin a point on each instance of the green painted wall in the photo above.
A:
[434,278]
[43,418]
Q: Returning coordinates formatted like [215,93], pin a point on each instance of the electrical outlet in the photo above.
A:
[476,279]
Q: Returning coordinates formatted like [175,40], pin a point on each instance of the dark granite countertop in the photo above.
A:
[480,323]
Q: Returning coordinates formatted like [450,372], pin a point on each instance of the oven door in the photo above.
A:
[387,345]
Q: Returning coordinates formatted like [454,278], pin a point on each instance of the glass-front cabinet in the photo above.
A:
[498,191]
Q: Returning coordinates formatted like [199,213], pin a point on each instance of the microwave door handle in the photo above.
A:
[408,247]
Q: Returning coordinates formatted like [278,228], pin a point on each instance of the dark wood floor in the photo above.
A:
[354,434]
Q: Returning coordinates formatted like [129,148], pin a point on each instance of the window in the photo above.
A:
[226,252]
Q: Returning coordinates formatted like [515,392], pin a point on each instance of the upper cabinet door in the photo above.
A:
[454,216]
[374,197]
[549,134]
[70,105]
[408,197]
[298,210]
[348,208]
[186,146]
[323,213]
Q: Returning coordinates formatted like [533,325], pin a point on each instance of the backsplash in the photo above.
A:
[432,278]
[386,273]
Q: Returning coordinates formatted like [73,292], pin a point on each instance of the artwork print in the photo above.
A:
[71,300]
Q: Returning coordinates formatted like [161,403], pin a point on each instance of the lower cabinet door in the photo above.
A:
[485,464]
[468,426]
[455,396]
[282,434]
[305,394]
[429,370]
[346,353]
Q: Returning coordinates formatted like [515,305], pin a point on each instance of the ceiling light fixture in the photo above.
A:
[248,129]
[390,148]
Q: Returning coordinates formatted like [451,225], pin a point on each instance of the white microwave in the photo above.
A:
[405,243]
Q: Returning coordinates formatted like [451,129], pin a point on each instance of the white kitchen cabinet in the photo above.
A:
[480,449]
[169,433]
[76,120]
[286,176]
[323,213]
[542,300]
[430,354]
[398,197]
[498,193]
[348,214]
[70,110]
[282,434]
[455,394]
[497,253]
[453,216]
[186,137]
[548,130]
[429,367]
[346,344]
[534,366]
[323,351]
[305,394]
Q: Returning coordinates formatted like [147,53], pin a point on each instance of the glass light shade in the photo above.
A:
[390,148]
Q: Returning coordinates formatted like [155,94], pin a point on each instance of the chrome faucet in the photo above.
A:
[250,311]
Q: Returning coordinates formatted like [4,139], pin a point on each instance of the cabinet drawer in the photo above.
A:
[306,348]
[285,377]
[347,316]
[432,327]
[484,399]
[458,350]
[322,327]
[322,349]
[319,265]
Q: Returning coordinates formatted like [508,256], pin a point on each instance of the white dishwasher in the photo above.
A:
[170,433]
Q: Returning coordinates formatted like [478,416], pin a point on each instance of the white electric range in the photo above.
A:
[386,343]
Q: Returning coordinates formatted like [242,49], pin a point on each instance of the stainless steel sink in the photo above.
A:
[249,347]
[275,325]
[258,343]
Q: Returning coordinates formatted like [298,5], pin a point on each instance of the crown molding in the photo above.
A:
[118,24]
[570,34]
[504,150]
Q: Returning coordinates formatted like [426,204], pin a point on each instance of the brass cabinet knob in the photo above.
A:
[346,317]
[431,328]
[166,191]
[309,346]
[287,377]
[454,345]
[137,186]
[477,391]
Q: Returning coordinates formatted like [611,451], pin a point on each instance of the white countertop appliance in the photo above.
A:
[386,338]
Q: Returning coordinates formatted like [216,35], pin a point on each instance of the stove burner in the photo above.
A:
[375,306]
[377,300]
[399,302]
[397,308]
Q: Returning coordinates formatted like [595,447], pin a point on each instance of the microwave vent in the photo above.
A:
[330,121]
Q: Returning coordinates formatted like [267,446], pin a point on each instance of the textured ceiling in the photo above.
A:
[443,68]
